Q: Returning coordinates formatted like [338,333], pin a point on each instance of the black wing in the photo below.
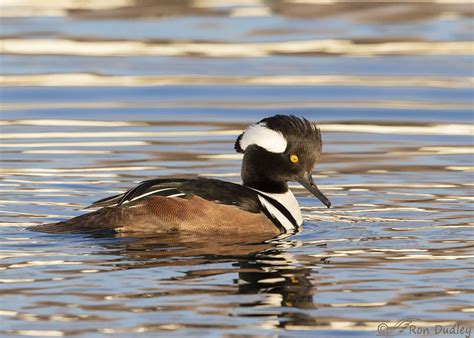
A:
[209,189]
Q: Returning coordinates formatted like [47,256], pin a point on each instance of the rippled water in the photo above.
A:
[98,96]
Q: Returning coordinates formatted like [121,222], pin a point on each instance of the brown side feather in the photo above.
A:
[159,214]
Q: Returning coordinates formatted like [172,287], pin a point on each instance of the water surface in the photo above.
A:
[99,97]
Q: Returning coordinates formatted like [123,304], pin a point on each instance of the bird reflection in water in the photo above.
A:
[264,267]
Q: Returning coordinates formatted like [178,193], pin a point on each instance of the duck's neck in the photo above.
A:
[264,184]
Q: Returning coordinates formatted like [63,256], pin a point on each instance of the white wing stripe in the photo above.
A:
[150,193]
[177,195]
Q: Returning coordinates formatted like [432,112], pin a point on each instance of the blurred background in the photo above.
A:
[416,48]
[99,95]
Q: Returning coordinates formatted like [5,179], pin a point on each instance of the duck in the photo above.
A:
[276,150]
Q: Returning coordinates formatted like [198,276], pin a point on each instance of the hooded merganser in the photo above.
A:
[276,150]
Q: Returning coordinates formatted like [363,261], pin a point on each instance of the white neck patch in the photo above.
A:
[269,139]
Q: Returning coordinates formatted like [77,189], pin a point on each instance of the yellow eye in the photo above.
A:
[294,158]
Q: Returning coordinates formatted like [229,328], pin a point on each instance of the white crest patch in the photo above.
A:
[269,139]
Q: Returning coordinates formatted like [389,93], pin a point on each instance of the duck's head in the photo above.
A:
[279,149]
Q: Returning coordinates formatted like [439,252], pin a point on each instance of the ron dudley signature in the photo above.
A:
[409,326]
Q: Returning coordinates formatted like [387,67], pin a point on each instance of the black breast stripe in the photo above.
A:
[273,219]
[281,209]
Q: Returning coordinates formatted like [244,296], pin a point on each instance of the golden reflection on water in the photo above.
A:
[75,144]
[117,134]
[28,8]
[238,104]
[230,50]
[428,129]
[82,79]
[375,11]
[68,122]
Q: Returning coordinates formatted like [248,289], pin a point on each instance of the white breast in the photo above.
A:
[287,200]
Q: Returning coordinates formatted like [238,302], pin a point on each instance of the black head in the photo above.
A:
[279,149]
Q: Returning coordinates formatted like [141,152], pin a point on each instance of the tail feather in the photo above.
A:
[96,221]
